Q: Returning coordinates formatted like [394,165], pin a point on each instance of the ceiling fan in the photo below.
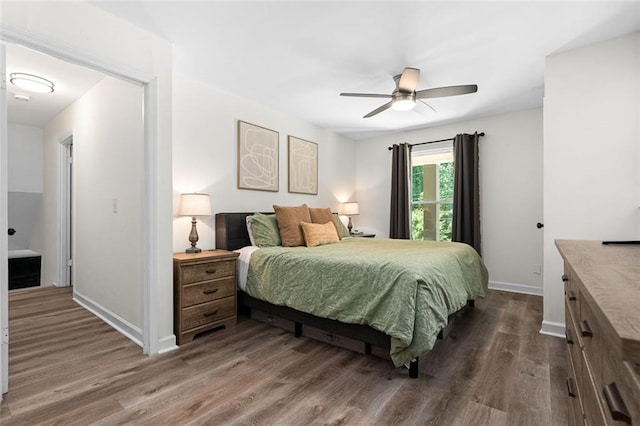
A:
[405,95]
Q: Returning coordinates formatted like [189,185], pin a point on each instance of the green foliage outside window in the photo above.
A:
[446,209]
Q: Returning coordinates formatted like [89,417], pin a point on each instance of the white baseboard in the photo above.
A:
[516,288]
[123,326]
[167,344]
[555,329]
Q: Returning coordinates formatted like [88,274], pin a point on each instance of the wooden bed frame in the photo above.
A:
[232,234]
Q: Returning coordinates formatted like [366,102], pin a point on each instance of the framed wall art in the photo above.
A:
[257,157]
[303,166]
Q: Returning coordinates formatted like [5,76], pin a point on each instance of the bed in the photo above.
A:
[404,318]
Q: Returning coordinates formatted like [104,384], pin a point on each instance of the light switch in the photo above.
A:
[114,205]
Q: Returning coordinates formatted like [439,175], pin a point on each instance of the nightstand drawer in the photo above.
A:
[194,294]
[206,313]
[208,271]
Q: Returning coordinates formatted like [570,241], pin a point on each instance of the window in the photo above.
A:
[432,194]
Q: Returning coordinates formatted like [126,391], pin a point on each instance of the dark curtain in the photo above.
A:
[466,191]
[400,225]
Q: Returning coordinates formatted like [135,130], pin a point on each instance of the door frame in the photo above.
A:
[4,241]
[65,211]
[149,83]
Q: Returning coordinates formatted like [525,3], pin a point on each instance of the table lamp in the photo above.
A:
[194,204]
[350,209]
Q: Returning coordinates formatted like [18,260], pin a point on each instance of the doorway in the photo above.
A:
[147,161]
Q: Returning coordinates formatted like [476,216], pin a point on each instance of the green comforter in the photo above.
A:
[406,289]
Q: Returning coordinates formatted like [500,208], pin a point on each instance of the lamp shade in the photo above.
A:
[350,208]
[194,204]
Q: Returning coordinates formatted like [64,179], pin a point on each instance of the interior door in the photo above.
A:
[4,266]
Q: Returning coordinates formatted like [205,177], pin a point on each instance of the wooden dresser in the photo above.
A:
[204,291]
[602,304]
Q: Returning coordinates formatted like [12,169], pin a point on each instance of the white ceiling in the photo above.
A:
[297,56]
[71,81]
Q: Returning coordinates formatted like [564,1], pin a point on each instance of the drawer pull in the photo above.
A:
[585,330]
[571,390]
[211,271]
[211,291]
[616,405]
[565,278]
[208,314]
[569,337]
[571,295]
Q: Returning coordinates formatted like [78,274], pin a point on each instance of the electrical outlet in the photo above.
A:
[537,269]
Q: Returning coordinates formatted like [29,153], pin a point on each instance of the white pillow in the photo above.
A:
[249,220]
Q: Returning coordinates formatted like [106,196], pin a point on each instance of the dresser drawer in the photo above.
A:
[576,417]
[620,391]
[574,346]
[592,335]
[593,411]
[198,315]
[207,271]
[571,292]
[194,294]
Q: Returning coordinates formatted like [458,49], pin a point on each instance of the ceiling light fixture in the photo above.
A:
[31,82]
[403,101]
[22,97]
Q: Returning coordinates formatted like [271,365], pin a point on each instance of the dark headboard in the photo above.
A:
[231,230]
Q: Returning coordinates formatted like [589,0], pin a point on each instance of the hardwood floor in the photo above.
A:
[68,367]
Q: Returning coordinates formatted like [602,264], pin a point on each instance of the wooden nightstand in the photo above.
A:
[204,292]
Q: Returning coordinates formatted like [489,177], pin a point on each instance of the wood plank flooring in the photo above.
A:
[67,367]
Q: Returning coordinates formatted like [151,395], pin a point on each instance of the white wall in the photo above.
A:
[25,158]
[108,166]
[24,183]
[591,144]
[118,45]
[510,191]
[205,157]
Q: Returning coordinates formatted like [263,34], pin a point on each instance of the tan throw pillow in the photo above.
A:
[289,219]
[324,216]
[317,234]
[320,215]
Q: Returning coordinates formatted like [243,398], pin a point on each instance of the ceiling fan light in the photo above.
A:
[32,83]
[403,104]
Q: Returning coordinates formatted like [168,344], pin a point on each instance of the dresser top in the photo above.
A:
[611,276]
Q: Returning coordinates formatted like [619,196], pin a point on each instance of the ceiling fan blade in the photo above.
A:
[432,108]
[379,110]
[441,92]
[366,95]
[409,80]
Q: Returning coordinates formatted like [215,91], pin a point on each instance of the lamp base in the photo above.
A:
[193,238]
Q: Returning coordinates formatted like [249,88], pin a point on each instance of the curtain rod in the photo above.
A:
[441,140]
